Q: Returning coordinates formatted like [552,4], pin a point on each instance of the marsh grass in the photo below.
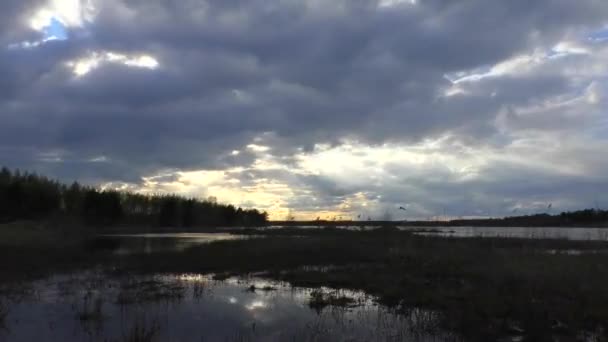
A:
[482,287]
[266,288]
[320,299]
[3,313]
[198,290]
[30,250]
[135,291]
[143,331]
[91,309]
[90,314]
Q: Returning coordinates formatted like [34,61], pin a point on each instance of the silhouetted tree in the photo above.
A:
[30,196]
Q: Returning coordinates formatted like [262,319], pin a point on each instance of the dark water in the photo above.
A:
[570,233]
[91,306]
[160,242]
[597,234]
[122,244]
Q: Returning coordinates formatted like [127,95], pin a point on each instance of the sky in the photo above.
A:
[314,108]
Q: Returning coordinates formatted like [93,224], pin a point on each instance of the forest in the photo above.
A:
[28,196]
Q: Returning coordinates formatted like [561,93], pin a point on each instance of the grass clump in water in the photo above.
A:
[3,313]
[141,331]
[91,309]
[134,291]
[320,299]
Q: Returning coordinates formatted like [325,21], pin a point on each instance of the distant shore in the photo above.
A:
[587,218]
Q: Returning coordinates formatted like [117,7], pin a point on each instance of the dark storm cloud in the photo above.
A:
[308,71]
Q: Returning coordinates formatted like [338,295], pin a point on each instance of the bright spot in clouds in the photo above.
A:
[258,148]
[389,3]
[55,19]
[519,64]
[85,65]
[70,13]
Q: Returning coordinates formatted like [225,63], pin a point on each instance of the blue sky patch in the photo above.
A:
[599,35]
[56,30]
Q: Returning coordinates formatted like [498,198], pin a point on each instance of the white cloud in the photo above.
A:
[568,48]
[520,64]
[71,13]
[390,3]
[83,66]
[510,66]
[31,44]
[258,148]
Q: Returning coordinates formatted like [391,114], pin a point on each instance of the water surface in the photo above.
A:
[597,234]
[148,243]
[94,307]
[570,233]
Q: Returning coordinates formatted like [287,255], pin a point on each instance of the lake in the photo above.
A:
[571,233]
[597,234]
[147,243]
[93,306]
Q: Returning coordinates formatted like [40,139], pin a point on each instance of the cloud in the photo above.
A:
[317,97]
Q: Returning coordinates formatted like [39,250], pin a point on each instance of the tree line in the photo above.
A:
[585,217]
[28,196]
[579,218]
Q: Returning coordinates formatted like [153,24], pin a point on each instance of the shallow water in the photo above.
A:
[94,307]
[122,244]
[597,234]
[570,233]
[163,242]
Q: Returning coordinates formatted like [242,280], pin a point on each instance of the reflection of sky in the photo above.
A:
[175,242]
[256,304]
[597,234]
[225,311]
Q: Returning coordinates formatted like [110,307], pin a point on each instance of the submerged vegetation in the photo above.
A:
[319,299]
[27,196]
[91,309]
[3,313]
[142,331]
[152,290]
